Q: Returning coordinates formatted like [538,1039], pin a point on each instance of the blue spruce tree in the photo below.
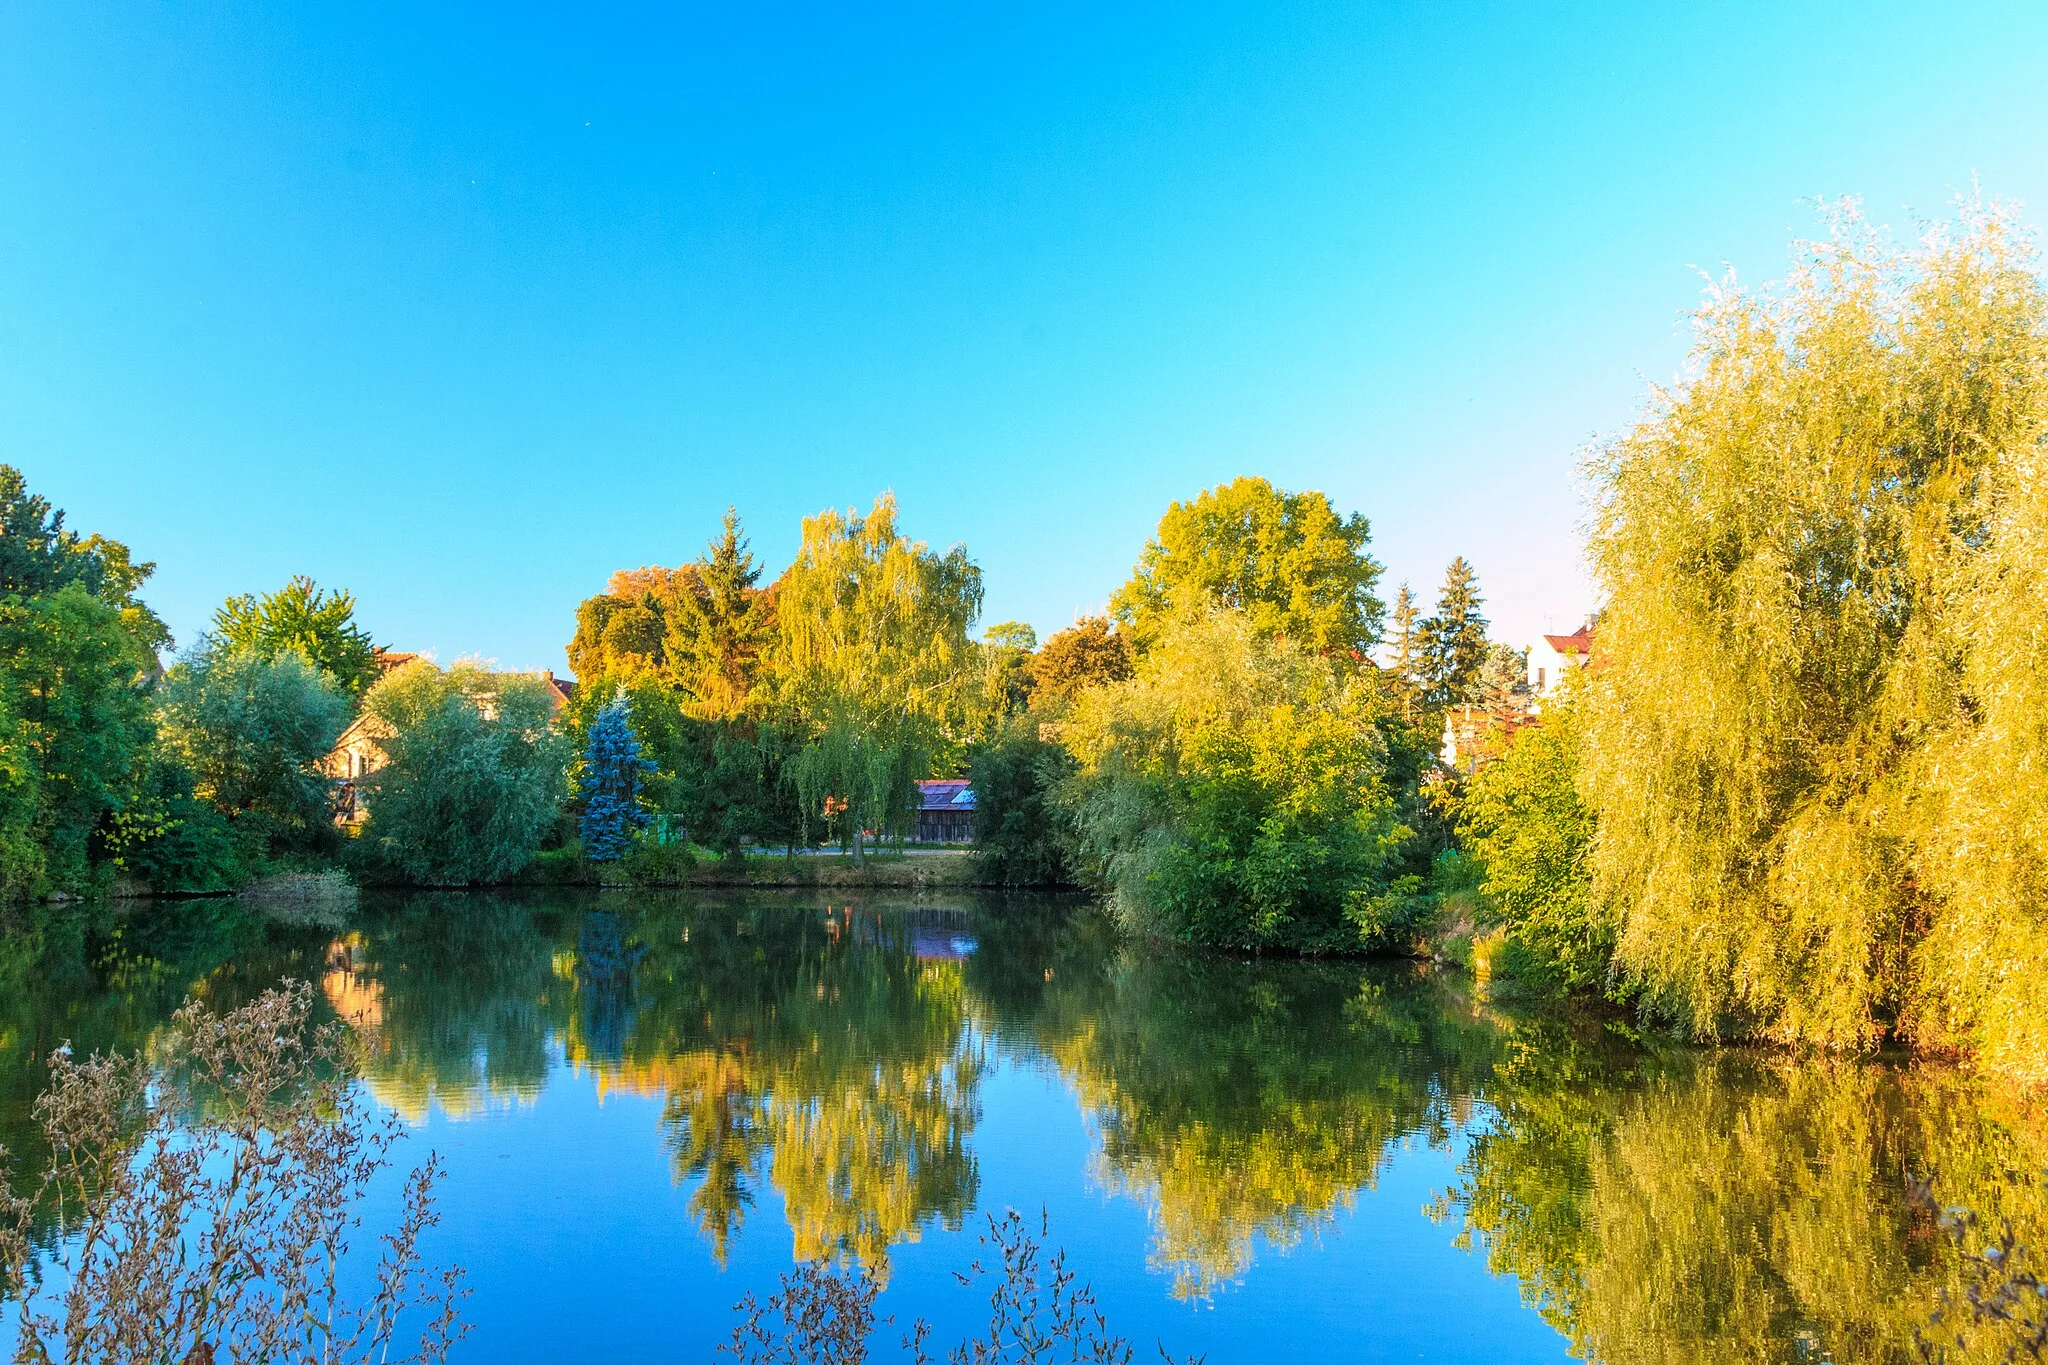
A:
[612,766]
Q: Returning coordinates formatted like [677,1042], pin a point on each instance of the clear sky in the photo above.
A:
[464,308]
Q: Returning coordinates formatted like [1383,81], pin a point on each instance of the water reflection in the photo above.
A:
[1727,1207]
[1653,1203]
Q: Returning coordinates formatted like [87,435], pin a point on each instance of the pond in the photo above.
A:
[651,1104]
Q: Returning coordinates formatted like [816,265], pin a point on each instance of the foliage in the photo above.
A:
[302,618]
[1404,648]
[872,650]
[212,1203]
[1524,820]
[1235,790]
[80,724]
[1016,821]
[612,770]
[1089,653]
[475,777]
[1451,645]
[1007,653]
[1286,560]
[701,630]
[1814,749]
[38,556]
[249,729]
[175,841]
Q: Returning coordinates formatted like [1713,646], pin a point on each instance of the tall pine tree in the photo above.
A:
[612,768]
[1405,642]
[1452,642]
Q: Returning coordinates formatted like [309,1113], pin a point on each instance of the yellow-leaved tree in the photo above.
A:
[1815,739]
[873,647]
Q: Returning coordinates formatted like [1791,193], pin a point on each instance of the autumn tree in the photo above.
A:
[700,629]
[1286,560]
[1088,653]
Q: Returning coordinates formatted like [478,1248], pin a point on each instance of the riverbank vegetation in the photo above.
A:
[1795,797]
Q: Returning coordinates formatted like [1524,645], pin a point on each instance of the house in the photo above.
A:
[1476,734]
[945,812]
[1552,656]
[359,752]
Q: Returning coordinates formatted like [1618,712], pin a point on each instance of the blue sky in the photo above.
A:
[464,308]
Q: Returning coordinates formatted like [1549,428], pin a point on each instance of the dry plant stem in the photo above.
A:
[208,1200]
[1039,1313]
[2005,1300]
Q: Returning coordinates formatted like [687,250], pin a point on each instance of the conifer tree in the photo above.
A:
[1452,644]
[715,634]
[1405,660]
[612,768]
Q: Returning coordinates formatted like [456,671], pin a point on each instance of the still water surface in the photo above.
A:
[649,1105]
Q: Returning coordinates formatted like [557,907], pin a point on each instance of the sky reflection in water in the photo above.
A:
[649,1104]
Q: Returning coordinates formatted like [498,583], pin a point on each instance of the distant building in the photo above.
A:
[359,753]
[1552,656]
[945,812]
[1476,734]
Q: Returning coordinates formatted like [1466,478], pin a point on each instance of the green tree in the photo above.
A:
[250,729]
[1016,821]
[716,632]
[304,617]
[71,669]
[1286,560]
[1236,790]
[1523,818]
[1088,653]
[1404,663]
[1006,653]
[38,556]
[702,630]
[476,773]
[1452,644]
[872,653]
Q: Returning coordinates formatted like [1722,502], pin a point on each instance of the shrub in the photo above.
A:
[475,778]
[211,1204]
[249,729]
[1235,791]
[1531,835]
[1017,830]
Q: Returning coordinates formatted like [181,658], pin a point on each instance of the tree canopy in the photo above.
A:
[1813,740]
[1286,560]
[306,618]
[1451,644]
[872,647]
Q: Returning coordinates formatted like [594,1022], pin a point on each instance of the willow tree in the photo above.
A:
[1814,748]
[873,656]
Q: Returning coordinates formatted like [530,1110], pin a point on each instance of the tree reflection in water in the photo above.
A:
[1655,1203]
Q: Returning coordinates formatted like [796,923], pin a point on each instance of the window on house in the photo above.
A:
[1539,679]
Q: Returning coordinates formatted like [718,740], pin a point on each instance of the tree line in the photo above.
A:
[1797,796]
